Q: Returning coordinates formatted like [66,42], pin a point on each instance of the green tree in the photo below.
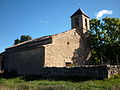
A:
[105,40]
[22,39]
[16,41]
[25,38]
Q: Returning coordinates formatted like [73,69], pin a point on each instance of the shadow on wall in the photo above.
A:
[82,54]
[2,59]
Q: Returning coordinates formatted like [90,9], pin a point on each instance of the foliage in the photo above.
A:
[105,40]
[22,39]
[16,41]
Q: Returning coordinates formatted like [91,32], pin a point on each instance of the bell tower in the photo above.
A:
[80,21]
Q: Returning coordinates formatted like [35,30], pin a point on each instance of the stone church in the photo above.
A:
[69,48]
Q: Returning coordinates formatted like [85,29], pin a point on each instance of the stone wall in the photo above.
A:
[85,28]
[24,61]
[59,49]
[84,71]
[66,47]
[62,49]
[113,70]
[0,60]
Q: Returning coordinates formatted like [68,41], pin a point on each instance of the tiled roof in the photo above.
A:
[78,12]
[35,40]
[30,41]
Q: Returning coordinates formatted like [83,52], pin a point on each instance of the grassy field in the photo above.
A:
[23,83]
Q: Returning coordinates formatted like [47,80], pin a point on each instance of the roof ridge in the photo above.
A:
[78,12]
[32,40]
[40,38]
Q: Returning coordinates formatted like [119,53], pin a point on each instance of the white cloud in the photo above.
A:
[102,12]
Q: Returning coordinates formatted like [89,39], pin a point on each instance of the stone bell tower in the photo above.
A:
[80,21]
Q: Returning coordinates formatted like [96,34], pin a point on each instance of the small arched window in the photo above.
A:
[74,33]
[68,43]
[77,23]
[86,23]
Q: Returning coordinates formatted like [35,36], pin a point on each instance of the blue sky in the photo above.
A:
[39,18]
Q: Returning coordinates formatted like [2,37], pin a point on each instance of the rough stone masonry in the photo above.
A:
[53,54]
[59,50]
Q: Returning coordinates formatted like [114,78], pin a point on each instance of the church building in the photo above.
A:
[65,49]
